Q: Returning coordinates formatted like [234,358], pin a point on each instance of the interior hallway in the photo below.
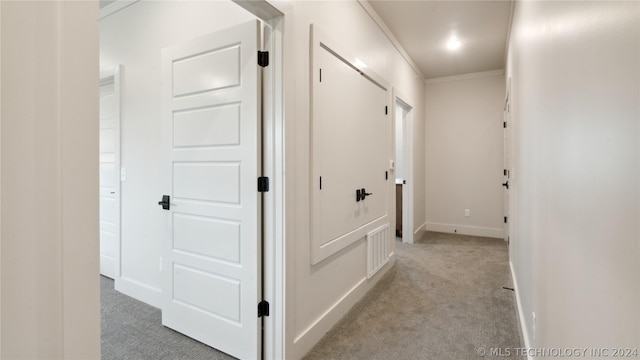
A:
[444,299]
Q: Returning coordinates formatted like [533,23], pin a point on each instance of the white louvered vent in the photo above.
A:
[378,249]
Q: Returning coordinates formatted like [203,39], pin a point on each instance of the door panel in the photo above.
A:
[214,126]
[207,181]
[212,260]
[201,290]
[207,236]
[215,69]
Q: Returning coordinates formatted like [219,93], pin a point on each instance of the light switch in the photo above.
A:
[467,212]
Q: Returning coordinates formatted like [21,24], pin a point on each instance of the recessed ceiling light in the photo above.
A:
[453,44]
[359,64]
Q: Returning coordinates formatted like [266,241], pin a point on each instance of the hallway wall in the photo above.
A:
[319,295]
[464,154]
[575,71]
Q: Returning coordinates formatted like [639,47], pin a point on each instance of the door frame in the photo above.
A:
[407,154]
[108,74]
[508,163]
[273,247]
[273,201]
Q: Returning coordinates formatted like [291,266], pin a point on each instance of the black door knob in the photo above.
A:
[364,193]
[165,203]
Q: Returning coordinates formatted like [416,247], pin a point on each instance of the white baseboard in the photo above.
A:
[466,230]
[417,234]
[139,291]
[521,318]
[311,335]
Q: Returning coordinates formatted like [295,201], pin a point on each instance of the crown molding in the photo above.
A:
[392,38]
[465,76]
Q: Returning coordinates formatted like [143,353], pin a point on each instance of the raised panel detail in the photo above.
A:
[107,105]
[212,70]
[206,236]
[107,143]
[203,291]
[354,104]
[108,175]
[108,210]
[219,182]
[219,125]
[107,247]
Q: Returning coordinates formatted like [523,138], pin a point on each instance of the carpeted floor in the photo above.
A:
[133,330]
[443,300]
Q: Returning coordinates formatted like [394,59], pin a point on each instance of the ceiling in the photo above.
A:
[423,28]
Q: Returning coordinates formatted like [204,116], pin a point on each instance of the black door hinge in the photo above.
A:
[263,58]
[263,184]
[505,219]
[386,175]
[263,308]
[504,124]
[386,110]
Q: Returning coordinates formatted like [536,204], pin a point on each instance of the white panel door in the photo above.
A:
[212,261]
[109,178]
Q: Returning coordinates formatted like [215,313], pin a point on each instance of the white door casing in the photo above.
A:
[407,163]
[212,259]
[110,172]
[507,163]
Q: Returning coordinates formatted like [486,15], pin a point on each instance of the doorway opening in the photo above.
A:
[404,170]
[140,274]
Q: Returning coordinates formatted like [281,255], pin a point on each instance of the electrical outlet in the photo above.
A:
[467,212]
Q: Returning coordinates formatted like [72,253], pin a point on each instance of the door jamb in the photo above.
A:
[273,201]
[407,149]
[273,225]
[508,163]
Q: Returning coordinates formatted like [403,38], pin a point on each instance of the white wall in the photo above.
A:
[317,296]
[135,37]
[574,69]
[50,306]
[464,154]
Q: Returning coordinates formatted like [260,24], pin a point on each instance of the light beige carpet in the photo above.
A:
[444,299]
